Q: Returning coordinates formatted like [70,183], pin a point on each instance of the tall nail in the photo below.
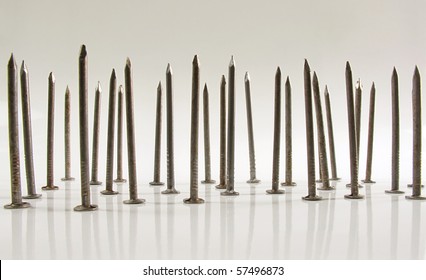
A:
[352,135]
[131,147]
[312,196]
[395,134]
[358,101]
[28,138]
[15,174]
[323,160]
[231,131]
[252,157]
[119,178]
[417,138]
[157,150]
[110,141]
[206,121]
[95,138]
[330,136]
[222,137]
[84,134]
[370,136]
[170,140]
[288,138]
[50,134]
[193,197]
[67,136]
[277,136]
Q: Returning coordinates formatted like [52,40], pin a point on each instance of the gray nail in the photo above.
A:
[222,137]
[157,149]
[206,122]
[288,138]
[120,178]
[370,136]
[67,136]
[95,144]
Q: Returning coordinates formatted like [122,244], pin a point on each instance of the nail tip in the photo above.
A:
[195,61]
[247,77]
[232,62]
[83,51]
[128,63]
[12,62]
[169,69]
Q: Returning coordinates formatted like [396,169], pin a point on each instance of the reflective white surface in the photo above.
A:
[253,225]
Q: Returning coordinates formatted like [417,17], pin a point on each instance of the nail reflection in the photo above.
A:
[275,226]
[170,225]
[394,227]
[207,221]
[415,231]
[353,231]
[252,212]
[86,230]
[95,218]
[332,202]
[288,223]
[322,224]
[230,222]
[369,221]
[310,232]
[157,221]
[31,216]
[133,231]
[193,213]
[68,227]
[51,224]
[109,206]
[223,236]
[16,220]
[120,222]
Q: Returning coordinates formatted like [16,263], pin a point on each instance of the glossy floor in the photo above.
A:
[253,225]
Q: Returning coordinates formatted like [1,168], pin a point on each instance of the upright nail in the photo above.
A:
[193,197]
[95,138]
[119,178]
[352,136]
[323,160]
[277,136]
[370,136]
[334,176]
[170,138]
[131,147]
[110,141]
[312,196]
[157,149]
[231,130]
[288,138]
[67,136]
[252,158]
[15,173]
[50,134]
[222,137]
[417,138]
[358,101]
[206,122]
[28,138]
[84,134]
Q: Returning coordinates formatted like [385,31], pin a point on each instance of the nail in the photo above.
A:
[323,160]
[157,151]
[417,138]
[288,138]
[120,136]
[84,134]
[170,145]
[207,161]
[252,157]
[312,196]
[334,176]
[222,137]
[95,144]
[15,174]
[193,198]
[67,136]
[110,141]
[231,131]
[358,101]
[28,138]
[370,136]
[50,134]
[277,136]
[352,136]
[131,147]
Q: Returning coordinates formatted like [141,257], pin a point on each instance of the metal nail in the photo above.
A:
[131,147]
[15,174]
[358,105]
[50,134]
[323,160]
[170,144]
[157,150]
[193,198]
[417,138]
[231,131]
[95,144]
[252,157]
[370,136]
[277,136]
[207,161]
[84,134]
[110,141]
[222,137]
[288,138]
[120,178]
[312,196]
[28,138]
[352,136]
[67,136]
[334,176]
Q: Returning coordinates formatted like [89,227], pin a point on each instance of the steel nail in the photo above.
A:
[67,136]
[288,138]
[120,178]
[157,149]
[334,176]
[222,137]
[207,160]
[370,136]
[95,144]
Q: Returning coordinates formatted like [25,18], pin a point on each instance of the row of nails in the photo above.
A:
[227,138]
